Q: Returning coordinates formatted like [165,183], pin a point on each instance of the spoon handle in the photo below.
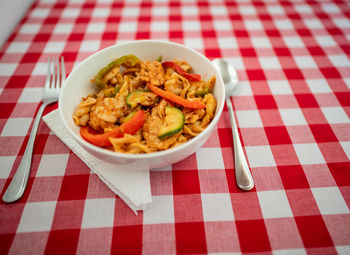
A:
[244,178]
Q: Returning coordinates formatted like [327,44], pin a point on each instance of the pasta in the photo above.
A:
[145,106]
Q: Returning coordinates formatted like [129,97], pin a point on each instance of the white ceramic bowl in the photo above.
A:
[78,85]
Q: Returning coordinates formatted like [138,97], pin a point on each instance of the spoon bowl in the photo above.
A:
[229,75]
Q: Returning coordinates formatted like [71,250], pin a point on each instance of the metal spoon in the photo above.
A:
[244,178]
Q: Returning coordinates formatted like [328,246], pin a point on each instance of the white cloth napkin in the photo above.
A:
[130,182]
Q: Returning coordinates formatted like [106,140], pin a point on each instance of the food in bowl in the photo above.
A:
[144,106]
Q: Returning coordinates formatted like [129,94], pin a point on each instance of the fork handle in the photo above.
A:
[244,178]
[19,182]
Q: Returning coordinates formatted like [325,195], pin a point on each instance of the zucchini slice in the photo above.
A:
[173,122]
[143,97]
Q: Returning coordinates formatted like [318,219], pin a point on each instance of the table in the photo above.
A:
[292,106]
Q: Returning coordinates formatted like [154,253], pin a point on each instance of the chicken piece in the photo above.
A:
[108,109]
[152,71]
[96,123]
[173,85]
[102,116]
[177,85]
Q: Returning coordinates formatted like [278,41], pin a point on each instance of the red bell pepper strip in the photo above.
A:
[175,98]
[179,70]
[102,140]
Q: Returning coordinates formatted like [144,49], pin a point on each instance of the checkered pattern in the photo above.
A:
[292,106]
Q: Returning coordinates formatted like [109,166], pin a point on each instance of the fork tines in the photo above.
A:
[55,73]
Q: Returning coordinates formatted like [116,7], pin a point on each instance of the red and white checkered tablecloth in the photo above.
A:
[292,106]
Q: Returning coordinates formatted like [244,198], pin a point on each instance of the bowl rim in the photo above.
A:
[151,154]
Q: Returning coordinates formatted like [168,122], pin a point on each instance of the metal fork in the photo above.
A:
[54,79]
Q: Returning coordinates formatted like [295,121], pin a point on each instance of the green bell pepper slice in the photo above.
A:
[127,60]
